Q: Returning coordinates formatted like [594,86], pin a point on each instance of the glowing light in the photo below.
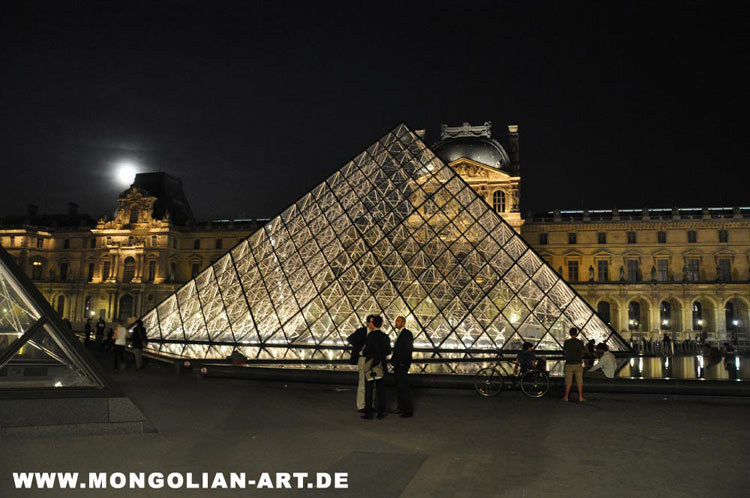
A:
[735,322]
[737,362]
[700,322]
[92,313]
[126,172]
[665,322]
[58,384]
[513,318]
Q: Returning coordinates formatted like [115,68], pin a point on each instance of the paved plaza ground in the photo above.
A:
[457,445]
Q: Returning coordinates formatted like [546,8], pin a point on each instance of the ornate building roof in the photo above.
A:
[471,142]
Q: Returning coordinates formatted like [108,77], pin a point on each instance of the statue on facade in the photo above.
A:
[622,273]
[591,273]
[653,273]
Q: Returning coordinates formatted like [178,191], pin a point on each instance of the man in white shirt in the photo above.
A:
[121,339]
[607,363]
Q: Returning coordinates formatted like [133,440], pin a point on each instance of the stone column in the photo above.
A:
[623,320]
[655,320]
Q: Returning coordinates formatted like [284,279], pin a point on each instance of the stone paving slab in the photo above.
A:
[457,445]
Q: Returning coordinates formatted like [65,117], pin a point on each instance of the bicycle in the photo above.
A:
[489,381]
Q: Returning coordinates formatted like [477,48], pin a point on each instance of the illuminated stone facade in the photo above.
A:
[682,271]
[123,266]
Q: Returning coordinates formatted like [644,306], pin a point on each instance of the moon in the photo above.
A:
[126,172]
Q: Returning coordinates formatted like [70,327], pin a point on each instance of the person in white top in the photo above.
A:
[121,339]
[606,363]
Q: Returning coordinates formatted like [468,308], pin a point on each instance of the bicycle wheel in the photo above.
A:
[488,382]
[535,383]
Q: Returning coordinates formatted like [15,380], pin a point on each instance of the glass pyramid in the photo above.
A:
[36,351]
[395,231]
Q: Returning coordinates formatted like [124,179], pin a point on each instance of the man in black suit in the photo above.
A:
[377,348]
[357,340]
[401,361]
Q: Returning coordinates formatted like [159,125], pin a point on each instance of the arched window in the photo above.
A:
[697,316]
[634,315]
[665,315]
[128,271]
[731,321]
[603,309]
[498,201]
[134,214]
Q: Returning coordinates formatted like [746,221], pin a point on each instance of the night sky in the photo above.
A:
[620,104]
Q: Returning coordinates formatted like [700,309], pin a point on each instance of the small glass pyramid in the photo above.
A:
[394,232]
[35,351]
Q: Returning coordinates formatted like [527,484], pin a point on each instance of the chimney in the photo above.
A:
[515,153]
[72,208]
[31,209]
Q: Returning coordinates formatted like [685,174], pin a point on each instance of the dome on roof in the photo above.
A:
[480,149]
[471,142]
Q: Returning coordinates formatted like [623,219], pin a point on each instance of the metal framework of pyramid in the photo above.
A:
[394,232]
[37,351]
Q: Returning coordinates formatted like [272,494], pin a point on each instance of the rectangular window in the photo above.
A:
[602,237]
[693,270]
[543,239]
[12,242]
[109,241]
[90,274]
[197,244]
[154,241]
[661,237]
[36,270]
[105,270]
[692,236]
[631,237]
[662,270]
[572,271]
[93,243]
[723,236]
[151,271]
[633,274]
[63,272]
[131,241]
[40,243]
[724,270]
[66,244]
[195,269]
[572,238]
[602,271]
[219,243]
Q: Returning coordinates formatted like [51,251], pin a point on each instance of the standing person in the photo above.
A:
[590,352]
[109,342]
[357,340]
[401,361]
[667,342]
[377,348]
[87,328]
[573,349]
[121,339]
[100,326]
[139,340]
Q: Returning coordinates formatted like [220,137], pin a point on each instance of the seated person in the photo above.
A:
[607,363]
[526,359]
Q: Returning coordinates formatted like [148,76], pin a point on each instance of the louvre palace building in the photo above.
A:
[684,272]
